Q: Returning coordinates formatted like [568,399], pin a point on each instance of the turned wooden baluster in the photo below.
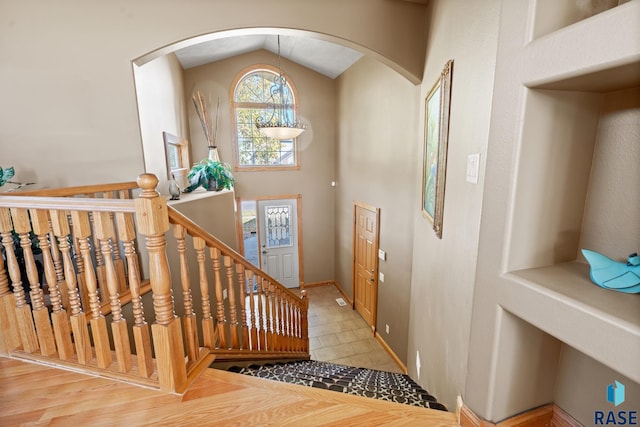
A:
[304,330]
[208,330]
[26,326]
[262,314]
[141,335]
[118,262]
[286,321]
[82,231]
[298,316]
[233,311]
[255,325]
[281,321]
[190,322]
[153,221]
[80,277]
[78,318]
[57,264]
[295,327]
[10,335]
[101,274]
[105,233]
[242,286]
[270,323]
[22,226]
[220,319]
[61,328]
[288,315]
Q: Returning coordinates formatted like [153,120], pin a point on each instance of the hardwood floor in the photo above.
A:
[36,395]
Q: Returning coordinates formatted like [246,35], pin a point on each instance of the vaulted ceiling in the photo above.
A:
[327,58]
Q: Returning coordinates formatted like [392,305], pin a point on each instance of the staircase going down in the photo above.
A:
[387,386]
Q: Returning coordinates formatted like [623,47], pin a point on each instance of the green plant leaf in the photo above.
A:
[6,175]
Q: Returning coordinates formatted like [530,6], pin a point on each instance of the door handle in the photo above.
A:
[264,252]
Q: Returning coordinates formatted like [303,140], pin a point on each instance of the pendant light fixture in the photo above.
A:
[281,125]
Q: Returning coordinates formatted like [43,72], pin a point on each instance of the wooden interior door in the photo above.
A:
[365,263]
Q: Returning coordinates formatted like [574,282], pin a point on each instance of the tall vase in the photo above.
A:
[213,153]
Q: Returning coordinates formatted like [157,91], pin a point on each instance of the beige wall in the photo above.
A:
[161,108]
[376,161]
[68,111]
[316,101]
[555,158]
[443,275]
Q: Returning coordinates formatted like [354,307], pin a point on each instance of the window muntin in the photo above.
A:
[254,96]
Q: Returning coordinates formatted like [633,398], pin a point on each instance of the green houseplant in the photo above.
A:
[211,175]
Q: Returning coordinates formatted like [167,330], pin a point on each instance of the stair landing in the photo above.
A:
[40,395]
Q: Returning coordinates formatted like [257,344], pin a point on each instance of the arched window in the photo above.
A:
[254,95]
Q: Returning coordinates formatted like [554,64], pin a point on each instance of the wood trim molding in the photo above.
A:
[239,231]
[393,355]
[549,415]
[316,284]
[562,419]
[344,294]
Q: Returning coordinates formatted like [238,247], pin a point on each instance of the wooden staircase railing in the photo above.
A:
[101,303]
[255,316]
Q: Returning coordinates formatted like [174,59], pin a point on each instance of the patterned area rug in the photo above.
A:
[388,386]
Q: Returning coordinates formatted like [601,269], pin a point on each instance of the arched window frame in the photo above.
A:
[234,105]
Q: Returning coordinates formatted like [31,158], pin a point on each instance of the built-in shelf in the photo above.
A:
[598,54]
[562,301]
[196,195]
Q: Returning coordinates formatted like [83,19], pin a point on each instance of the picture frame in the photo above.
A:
[176,152]
[436,141]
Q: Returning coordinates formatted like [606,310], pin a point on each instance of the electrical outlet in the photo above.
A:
[418,364]
[386,328]
[224,294]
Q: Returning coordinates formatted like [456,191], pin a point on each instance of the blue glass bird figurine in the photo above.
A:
[610,274]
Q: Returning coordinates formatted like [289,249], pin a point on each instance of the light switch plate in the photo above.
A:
[473,167]
[382,254]
[381,276]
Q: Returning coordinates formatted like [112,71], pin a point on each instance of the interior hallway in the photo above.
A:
[339,335]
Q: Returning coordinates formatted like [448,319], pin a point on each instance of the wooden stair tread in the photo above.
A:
[215,396]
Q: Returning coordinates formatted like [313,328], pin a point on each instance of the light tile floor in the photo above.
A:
[339,335]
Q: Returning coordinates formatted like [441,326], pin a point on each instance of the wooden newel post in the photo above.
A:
[304,321]
[152,220]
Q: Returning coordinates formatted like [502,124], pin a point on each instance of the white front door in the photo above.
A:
[279,240]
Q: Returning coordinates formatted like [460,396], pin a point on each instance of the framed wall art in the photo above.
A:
[436,135]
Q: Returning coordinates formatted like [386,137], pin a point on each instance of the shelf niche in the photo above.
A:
[578,185]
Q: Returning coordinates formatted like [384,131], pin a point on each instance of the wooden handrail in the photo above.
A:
[67,203]
[90,254]
[254,313]
[78,190]
[195,230]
